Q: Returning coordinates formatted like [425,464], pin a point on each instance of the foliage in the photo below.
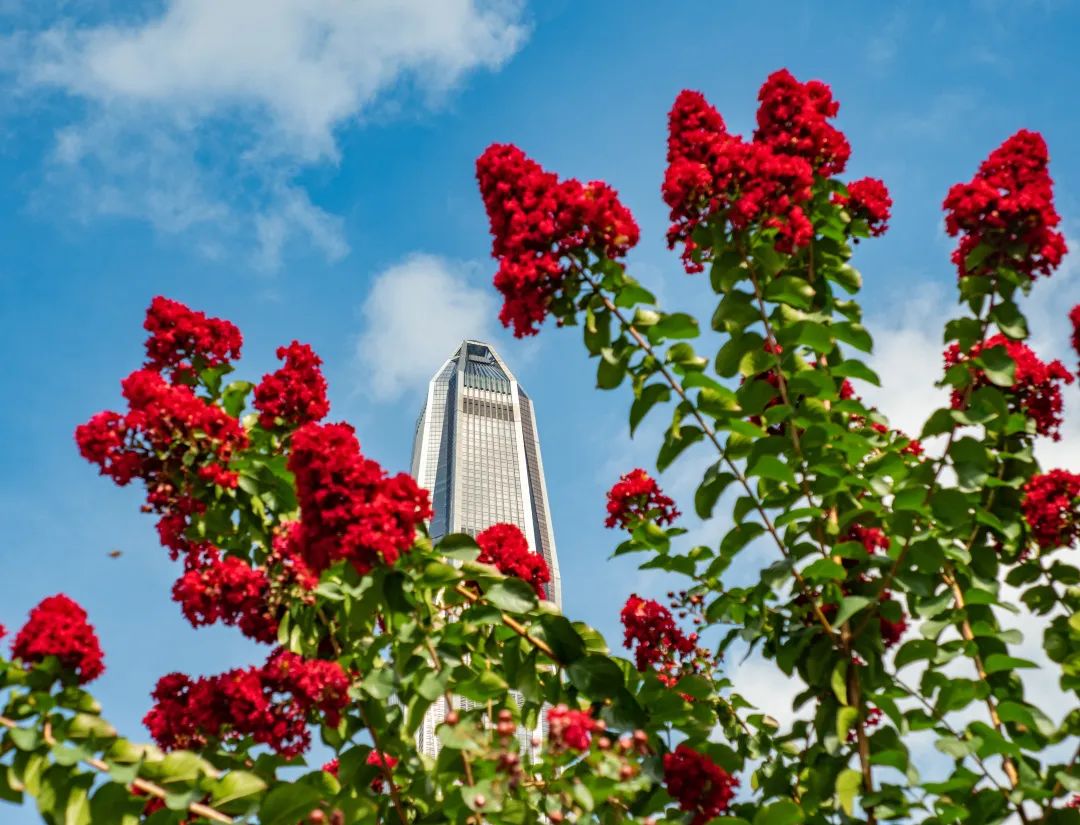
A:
[893,564]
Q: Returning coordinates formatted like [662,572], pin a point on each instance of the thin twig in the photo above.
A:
[512,623]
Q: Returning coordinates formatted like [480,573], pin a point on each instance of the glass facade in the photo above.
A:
[476,448]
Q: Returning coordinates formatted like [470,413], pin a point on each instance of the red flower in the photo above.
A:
[868,199]
[288,561]
[650,626]
[872,720]
[349,508]
[296,393]
[227,590]
[1050,508]
[185,341]
[506,547]
[1035,390]
[793,120]
[636,497]
[711,172]
[892,632]
[871,538]
[570,729]
[333,767]
[380,760]
[271,704]
[1074,316]
[1009,208]
[58,627]
[541,230]
[698,784]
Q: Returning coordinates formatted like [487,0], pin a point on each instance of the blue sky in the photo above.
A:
[306,170]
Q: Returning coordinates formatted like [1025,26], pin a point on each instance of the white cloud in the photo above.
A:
[417,313]
[202,117]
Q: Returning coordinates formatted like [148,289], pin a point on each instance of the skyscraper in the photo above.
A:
[477,449]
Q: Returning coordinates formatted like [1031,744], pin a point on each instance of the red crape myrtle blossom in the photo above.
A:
[539,225]
[1009,207]
[1036,385]
[381,761]
[868,198]
[296,393]
[58,627]
[270,704]
[349,508]
[1074,317]
[871,538]
[636,497]
[506,547]
[698,784]
[1051,504]
[892,632]
[571,729]
[711,172]
[227,590]
[793,119]
[184,341]
[649,630]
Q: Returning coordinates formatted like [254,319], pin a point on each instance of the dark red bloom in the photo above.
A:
[349,508]
[650,631]
[1036,388]
[287,560]
[892,632]
[185,342]
[871,538]
[59,627]
[272,704]
[541,230]
[227,590]
[868,199]
[380,760]
[1074,317]
[713,173]
[793,120]
[570,729]
[1008,207]
[872,720]
[636,497]
[1052,508]
[333,767]
[506,547]
[296,393]
[698,784]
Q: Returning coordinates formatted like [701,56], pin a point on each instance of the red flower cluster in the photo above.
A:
[349,508]
[571,729]
[698,784]
[1035,387]
[1074,317]
[296,393]
[506,547]
[227,590]
[892,632]
[871,538]
[650,626]
[58,627]
[271,704]
[1008,207]
[286,558]
[380,760]
[710,171]
[793,119]
[868,199]
[1051,508]
[185,341]
[872,720]
[542,227]
[636,497]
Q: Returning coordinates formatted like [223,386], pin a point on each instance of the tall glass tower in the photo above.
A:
[477,449]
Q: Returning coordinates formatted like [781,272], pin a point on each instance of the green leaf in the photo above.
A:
[853,368]
[996,662]
[824,569]
[838,681]
[845,718]
[788,289]
[512,595]
[113,803]
[459,546]
[848,782]
[596,676]
[849,606]
[771,467]
[610,371]
[784,812]
[288,804]
[676,325]
[236,785]
[562,638]
[651,395]
[998,367]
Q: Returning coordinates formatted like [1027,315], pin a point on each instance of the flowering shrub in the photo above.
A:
[888,552]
